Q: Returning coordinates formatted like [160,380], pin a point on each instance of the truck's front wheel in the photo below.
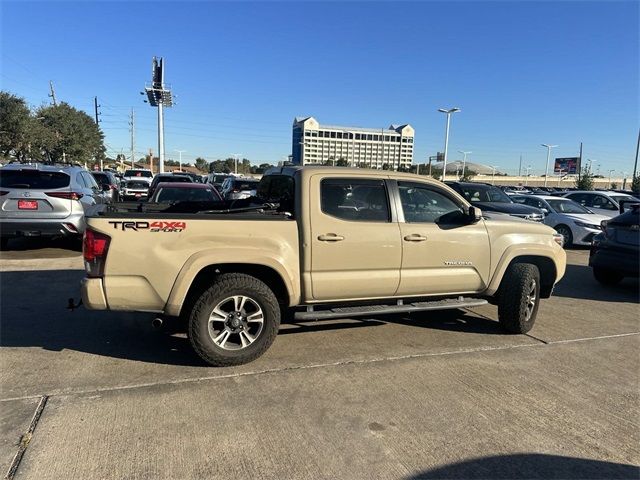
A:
[519,298]
[234,321]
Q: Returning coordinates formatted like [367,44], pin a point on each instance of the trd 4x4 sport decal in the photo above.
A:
[153,227]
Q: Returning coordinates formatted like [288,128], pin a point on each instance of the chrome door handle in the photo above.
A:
[414,237]
[330,237]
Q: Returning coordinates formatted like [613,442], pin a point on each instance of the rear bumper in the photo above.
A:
[624,262]
[72,225]
[93,294]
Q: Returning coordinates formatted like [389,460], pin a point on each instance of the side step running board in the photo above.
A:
[348,312]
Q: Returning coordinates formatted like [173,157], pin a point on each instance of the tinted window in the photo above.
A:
[170,195]
[422,204]
[33,179]
[101,178]
[600,201]
[276,188]
[355,200]
[484,193]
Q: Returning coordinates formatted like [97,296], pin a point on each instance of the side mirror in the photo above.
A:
[474,214]
[545,211]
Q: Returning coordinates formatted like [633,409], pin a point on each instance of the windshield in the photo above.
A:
[138,173]
[35,179]
[484,193]
[567,206]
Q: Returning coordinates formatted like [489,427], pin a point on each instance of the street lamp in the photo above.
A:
[464,160]
[446,137]
[180,161]
[493,175]
[546,170]
[526,180]
[610,172]
[235,156]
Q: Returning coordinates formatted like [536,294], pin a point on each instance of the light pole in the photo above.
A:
[610,172]
[446,137]
[526,180]
[180,161]
[546,170]
[235,156]
[493,174]
[464,160]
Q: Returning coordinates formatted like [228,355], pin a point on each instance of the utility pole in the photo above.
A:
[635,165]
[132,124]
[180,152]
[95,106]
[520,167]
[52,93]
[580,162]
[235,156]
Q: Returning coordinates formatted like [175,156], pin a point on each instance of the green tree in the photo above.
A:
[342,162]
[585,181]
[201,164]
[614,186]
[16,127]
[68,134]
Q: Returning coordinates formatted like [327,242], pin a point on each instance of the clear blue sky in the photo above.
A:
[523,73]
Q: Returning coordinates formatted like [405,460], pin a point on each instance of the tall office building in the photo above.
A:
[353,146]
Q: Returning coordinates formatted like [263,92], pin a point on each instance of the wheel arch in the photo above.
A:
[207,275]
[546,267]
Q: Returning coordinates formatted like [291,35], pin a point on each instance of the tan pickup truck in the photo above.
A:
[317,243]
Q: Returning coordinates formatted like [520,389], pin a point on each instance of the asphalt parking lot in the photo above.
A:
[434,395]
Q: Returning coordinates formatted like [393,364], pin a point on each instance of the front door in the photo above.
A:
[442,251]
[354,238]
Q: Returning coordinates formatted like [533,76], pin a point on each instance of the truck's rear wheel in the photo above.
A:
[519,298]
[234,321]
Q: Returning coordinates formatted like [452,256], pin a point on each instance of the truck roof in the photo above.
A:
[292,170]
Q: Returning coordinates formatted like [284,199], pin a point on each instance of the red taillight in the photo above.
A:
[94,249]
[66,195]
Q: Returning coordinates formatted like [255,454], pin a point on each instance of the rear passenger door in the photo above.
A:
[354,240]
[441,251]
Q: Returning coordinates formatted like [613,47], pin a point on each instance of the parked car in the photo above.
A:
[577,224]
[109,185]
[167,177]
[45,200]
[237,188]
[217,179]
[604,203]
[491,199]
[135,189]
[615,253]
[137,174]
[173,192]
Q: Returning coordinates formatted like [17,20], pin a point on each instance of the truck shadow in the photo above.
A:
[531,466]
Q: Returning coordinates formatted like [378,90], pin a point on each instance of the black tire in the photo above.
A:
[566,233]
[517,309]
[225,287]
[607,277]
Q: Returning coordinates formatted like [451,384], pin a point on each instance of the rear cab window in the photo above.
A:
[355,199]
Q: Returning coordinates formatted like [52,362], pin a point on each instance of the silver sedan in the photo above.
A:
[577,224]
